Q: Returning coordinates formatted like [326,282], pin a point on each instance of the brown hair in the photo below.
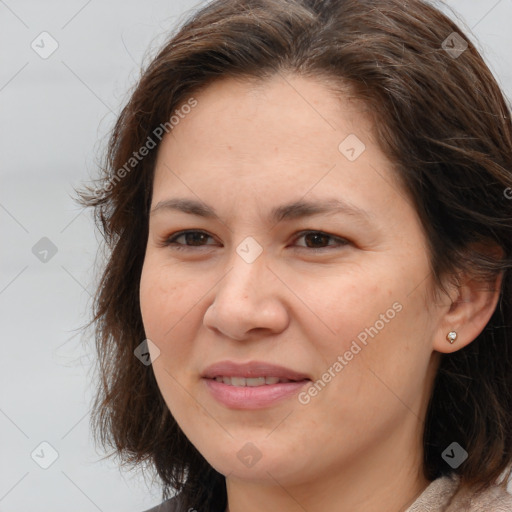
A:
[440,117]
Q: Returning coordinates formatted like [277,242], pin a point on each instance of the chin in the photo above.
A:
[253,462]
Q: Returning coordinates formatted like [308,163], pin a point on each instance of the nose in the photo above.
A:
[248,301]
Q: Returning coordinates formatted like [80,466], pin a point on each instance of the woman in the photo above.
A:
[308,301]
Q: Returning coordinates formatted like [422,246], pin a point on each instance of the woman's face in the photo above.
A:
[330,293]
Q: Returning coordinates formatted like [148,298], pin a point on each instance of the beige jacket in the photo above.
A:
[441,495]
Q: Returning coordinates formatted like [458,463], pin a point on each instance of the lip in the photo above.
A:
[251,369]
[249,397]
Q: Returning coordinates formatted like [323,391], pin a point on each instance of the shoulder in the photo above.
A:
[447,495]
[172,505]
[492,499]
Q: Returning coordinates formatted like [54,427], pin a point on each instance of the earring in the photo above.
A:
[451,336]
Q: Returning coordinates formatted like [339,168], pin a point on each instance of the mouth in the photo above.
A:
[252,385]
[252,382]
[253,373]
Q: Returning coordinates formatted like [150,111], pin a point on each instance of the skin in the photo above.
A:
[357,445]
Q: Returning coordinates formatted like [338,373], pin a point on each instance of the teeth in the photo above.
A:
[237,381]
[250,381]
[256,381]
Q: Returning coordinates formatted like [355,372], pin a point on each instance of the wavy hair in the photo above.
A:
[439,115]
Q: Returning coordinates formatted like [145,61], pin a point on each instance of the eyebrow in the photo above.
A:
[290,211]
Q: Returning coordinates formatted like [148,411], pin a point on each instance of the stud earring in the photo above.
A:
[451,336]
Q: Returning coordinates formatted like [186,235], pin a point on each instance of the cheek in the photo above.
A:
[161,296]
[150,297]
[164,304]
[371,316]
[342,307]
[171,305]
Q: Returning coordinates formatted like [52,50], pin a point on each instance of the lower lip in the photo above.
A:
[252,397]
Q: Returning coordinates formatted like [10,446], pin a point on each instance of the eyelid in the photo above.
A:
[340,241]
[168,240]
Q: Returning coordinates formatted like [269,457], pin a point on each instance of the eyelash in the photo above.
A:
[170,241]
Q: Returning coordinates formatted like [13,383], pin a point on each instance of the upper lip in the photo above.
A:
[251,369]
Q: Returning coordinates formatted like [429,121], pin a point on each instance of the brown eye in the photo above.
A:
[189,238]
[316,240]
[320,240]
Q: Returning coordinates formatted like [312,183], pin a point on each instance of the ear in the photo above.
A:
[466,311]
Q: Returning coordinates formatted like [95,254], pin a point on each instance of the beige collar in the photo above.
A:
[437,496]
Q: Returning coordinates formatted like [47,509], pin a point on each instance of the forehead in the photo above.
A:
[285,135]
[256,124]
[282,106]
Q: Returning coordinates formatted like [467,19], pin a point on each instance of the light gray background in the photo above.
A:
[55,115]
